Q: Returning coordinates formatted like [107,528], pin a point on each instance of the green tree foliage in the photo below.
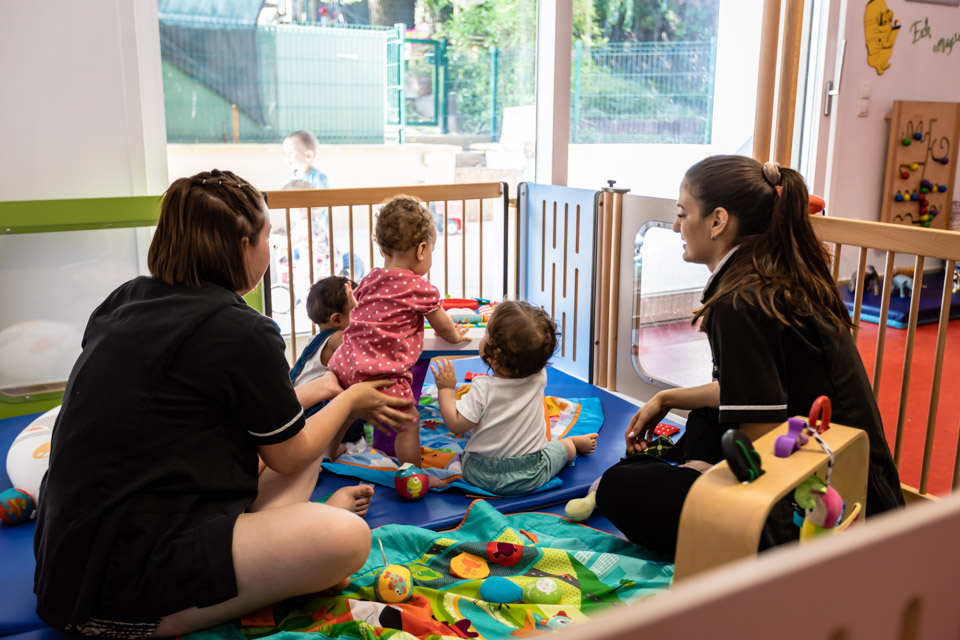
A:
[657,20]
[613,85]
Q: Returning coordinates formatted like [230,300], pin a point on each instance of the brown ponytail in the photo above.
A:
[780,256]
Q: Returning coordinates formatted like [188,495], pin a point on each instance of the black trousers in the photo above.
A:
[643,497]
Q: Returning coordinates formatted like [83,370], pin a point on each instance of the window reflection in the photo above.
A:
[664,345]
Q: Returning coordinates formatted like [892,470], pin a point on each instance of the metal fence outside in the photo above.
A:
[237,82]
[624,92]
[234,82]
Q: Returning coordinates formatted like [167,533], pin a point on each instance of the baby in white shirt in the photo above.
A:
[508,452]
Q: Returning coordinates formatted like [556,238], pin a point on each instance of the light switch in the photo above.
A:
[865,90]
[863,108]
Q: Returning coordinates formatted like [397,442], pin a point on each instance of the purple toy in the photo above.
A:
[784,446]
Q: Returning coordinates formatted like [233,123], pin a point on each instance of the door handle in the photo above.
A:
[829,91]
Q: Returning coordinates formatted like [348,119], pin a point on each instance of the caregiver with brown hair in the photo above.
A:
[155,518]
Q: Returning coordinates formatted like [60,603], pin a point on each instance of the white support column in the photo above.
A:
[83,101]
[554,36]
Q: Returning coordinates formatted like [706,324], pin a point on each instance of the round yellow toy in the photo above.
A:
[394,583]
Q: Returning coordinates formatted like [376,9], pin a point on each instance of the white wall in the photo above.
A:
[82,117]
[82,111]
[346,166]
[916,73]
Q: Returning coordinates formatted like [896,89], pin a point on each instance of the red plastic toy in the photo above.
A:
[459,303]
[665,429]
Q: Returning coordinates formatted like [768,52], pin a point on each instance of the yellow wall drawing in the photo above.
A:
[881,31]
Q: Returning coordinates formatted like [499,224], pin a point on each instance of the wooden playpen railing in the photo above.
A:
[923,244]
[363,202]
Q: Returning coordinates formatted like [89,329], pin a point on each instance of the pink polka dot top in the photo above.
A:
[385,336]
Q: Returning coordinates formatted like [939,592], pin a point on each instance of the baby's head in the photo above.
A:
[519,341]
[328,304]
[404,223]
[300,148]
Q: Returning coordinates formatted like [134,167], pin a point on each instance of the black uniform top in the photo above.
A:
[769,371]
[154,453]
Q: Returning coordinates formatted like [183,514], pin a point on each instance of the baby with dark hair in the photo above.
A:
[508,452]
[328,306]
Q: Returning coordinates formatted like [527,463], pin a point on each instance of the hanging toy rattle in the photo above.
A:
[822,504]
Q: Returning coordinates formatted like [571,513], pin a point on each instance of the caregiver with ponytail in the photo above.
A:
[780,337]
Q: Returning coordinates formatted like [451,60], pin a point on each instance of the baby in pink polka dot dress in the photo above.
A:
[385,336]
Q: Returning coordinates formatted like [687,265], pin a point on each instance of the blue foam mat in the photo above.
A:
[441,510]
[437,511]
[17,603]
[898,316]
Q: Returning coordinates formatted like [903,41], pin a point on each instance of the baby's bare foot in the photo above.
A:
[336,589]
[437,483]
[585,444]
[354,499]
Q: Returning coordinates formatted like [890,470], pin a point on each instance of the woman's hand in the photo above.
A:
[640,430]
[379,408]
[444,375]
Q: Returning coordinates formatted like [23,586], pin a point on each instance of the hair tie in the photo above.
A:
[204,181]
[221,183]
[771,173]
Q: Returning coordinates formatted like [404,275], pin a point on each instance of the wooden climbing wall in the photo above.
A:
[921,163]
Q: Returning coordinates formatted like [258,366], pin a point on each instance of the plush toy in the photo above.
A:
[579,509]
[499,590]
[411,483]
[543,591]
[469,567]
[822,505]
[505,554]
[903,285]
[394,583]
[871,281]
[17,506]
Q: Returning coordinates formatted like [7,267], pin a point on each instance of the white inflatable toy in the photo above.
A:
[28,457]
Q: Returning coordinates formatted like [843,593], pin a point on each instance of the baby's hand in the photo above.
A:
[462,332]
[351,301]
[444,375]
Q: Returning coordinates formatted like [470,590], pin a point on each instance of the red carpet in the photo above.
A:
[918,405]
[677,352]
